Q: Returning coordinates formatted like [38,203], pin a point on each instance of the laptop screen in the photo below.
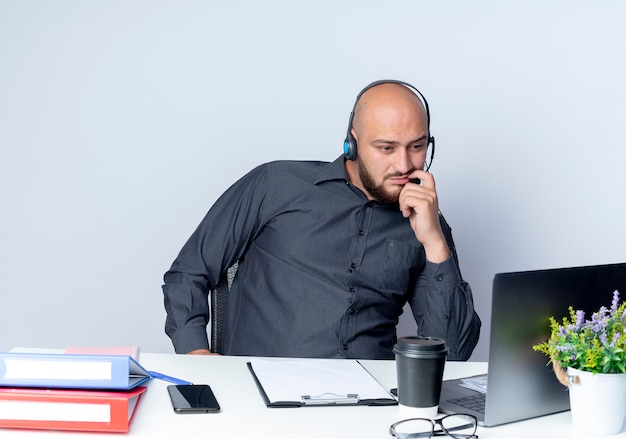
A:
[521,384]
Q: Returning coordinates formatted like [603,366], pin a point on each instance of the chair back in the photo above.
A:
[219,303]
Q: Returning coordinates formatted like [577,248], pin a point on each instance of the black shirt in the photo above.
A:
[323,271]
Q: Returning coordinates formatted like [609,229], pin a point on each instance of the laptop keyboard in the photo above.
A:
[472,402]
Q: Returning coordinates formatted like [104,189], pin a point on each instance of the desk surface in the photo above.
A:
[245,415]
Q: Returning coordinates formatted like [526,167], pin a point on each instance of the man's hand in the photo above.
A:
[419,204]
[201,352]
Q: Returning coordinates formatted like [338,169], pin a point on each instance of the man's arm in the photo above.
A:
[442,301]
[443,305]
[186,303]
[215,245]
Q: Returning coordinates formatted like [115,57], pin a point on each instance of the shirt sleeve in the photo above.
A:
[217,243]
[443,305]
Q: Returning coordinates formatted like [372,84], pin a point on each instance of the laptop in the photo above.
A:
[520,383]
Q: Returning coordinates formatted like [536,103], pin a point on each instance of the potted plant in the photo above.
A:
[589,357]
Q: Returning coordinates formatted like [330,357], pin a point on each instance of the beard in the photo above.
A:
[377,192]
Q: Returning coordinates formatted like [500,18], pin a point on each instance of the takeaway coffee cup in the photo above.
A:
[419,363]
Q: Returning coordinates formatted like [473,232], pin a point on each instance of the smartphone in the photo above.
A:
[193,398]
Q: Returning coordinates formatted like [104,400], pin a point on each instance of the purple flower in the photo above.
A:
[580,319]
[615,302]
[599,320]
[615,339]
[603,338]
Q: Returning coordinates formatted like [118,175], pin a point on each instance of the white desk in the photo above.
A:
[245,415]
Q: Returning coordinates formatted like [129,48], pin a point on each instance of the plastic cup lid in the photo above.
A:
[421,347]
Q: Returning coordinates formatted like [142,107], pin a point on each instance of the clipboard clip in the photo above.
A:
[330,399]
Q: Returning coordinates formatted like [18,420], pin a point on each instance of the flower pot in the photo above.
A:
[598,401]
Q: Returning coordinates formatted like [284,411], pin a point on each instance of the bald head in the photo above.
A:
[388,101]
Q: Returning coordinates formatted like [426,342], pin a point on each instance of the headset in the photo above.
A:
[349,145]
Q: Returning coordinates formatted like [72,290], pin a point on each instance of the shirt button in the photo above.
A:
[345,347]
[439,277]
[445,316]
[351,289]
[353,265]
[361,233]
[352,311]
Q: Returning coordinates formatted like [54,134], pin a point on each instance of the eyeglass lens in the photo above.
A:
[457,426]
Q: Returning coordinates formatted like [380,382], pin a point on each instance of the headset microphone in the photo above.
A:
[350,146]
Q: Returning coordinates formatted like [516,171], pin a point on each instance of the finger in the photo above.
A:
[406,211]
[414,198]
[427,179]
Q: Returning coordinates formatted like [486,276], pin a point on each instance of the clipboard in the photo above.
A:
[317,382]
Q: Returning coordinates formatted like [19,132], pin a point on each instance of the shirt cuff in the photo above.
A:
[189,339]
[442,277]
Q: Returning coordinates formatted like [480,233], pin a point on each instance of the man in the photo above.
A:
[329,253]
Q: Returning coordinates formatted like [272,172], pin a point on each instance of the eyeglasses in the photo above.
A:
[458,426]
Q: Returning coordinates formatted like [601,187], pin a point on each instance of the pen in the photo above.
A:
[164,377]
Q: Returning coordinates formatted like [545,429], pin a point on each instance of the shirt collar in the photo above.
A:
[333,171]
[337,171]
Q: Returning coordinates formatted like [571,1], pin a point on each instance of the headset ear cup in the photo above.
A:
[349,147]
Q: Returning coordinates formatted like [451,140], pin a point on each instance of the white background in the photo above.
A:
[121,122]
